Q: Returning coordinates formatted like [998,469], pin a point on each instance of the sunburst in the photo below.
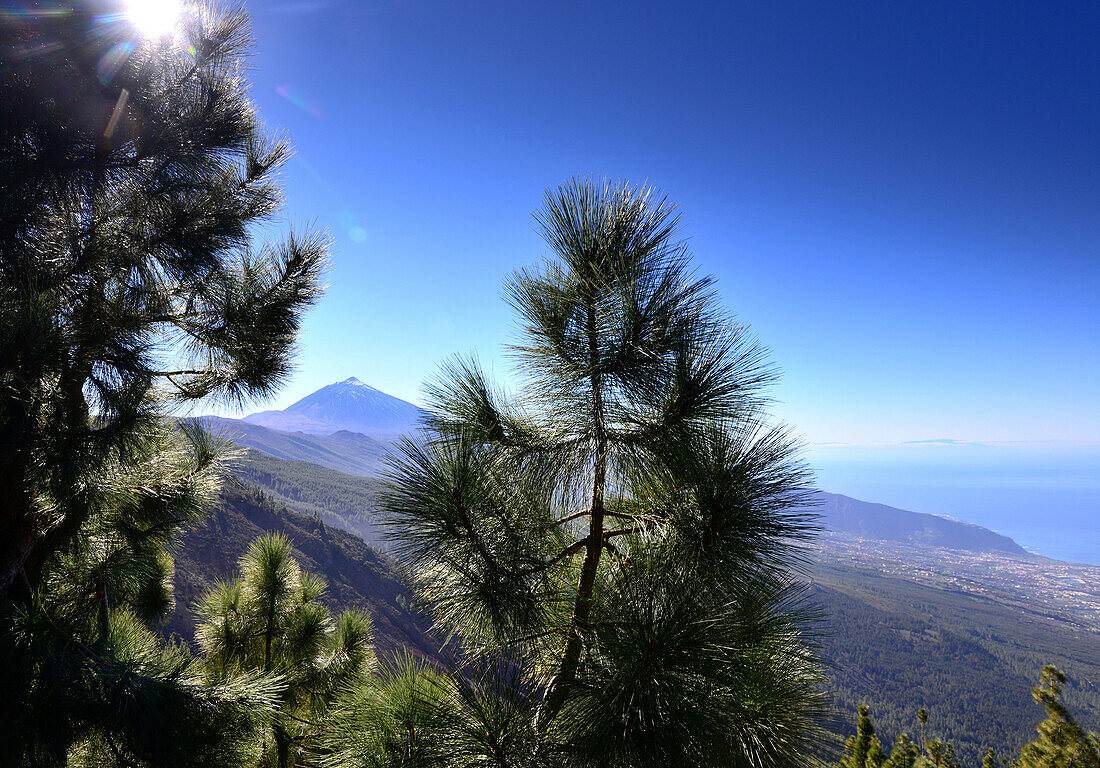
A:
[154,18]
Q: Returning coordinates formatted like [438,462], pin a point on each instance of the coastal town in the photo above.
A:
[1037,586]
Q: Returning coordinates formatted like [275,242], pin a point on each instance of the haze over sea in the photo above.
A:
[1045,496]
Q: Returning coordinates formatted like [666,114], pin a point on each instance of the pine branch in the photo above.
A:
[620,532]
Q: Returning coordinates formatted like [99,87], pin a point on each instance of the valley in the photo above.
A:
[917,610]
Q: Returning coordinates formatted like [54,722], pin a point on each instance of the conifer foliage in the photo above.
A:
[864,750]
[132,173]
[1062,742]
[616,539]
[270,621]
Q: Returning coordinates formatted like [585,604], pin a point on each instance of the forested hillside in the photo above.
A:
[899,646]
[890,643]
[893,643]
[345,501]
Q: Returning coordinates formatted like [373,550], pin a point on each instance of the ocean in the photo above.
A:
[1046,497]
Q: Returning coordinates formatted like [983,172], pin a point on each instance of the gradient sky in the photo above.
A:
[900,198]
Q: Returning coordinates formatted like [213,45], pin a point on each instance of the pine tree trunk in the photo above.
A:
[282,747]
[582,608]
[18,532]
[75,515]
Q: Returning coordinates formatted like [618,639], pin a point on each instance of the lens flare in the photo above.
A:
[298,100]
[112,61]
[154,18]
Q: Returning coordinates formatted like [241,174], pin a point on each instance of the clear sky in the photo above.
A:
[902,199]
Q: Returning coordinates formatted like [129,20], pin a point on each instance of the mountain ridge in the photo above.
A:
[351,453]
[865,519]
[348,427]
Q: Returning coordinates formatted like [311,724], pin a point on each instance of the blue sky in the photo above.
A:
[901,199]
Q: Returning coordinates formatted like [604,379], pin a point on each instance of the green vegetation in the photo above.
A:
[917,644]
[1061,742]
[974,700]
[620,531]
[134,173]
[610,553]
[358,577]
[346,501]
[897,645]
[270,621]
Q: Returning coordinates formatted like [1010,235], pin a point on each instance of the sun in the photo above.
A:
[154,18]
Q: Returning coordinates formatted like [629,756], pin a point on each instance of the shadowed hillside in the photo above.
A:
[357,575]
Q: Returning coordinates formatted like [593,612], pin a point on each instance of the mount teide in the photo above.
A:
[346,405]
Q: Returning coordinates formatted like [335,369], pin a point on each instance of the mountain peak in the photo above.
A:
[344,405]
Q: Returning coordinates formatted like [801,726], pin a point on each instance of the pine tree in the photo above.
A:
[270,621]
[904,753]
[132,172]
[935,750]
[863,750]
[1062,743]
[949,759]
[618,535]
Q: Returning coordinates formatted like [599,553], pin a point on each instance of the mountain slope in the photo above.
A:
[971,660]
[349,452]
[357,576]
[349,503]
[341,500]
[333,427]
[890,642]
[346,405]
[896,637]
[842,514]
